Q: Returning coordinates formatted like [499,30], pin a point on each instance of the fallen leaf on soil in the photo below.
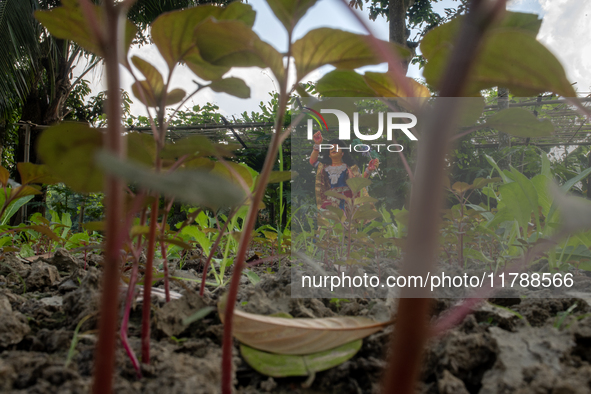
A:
[298,336]
[39,256]
[283,365]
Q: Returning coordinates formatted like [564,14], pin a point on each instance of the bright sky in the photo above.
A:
[565,31]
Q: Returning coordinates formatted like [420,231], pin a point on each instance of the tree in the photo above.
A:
[405,15]
[36,71]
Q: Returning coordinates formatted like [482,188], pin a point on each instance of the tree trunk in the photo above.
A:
[44,106]
[397,28]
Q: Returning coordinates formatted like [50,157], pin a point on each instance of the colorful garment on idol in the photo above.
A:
[334,178]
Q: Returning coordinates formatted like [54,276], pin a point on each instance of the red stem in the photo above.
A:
[129,301]
[125,322]
[411,331]
[227,343]
[105,348]
[147,303]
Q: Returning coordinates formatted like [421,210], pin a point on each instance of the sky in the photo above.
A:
[565,32]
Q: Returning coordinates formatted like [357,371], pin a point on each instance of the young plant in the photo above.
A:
[210,40]
[462,192]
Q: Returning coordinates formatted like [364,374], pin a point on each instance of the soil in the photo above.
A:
[524,346]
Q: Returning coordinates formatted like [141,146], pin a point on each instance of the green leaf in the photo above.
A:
[150,91]
[191,187]
[520,122]
[476,255]
[516,203]
[68,22]
[344,83]
[67,222]
[200,314]
[35,173]
[143,92]
[446,34]
[334,194]
[524,21]
[385,86]
[528,189]
[479,183]
[252,276]
[200,163]
[358,183]
[13,207]
[175,96]
[27,251]
[95,226]
[77,240]
[281,365]
[68,150]
[494,164]
[342,49]
[579,253]
[4,176]
[173,35]
[43,230]
[281,176]
[153,77]
[337,211]
[141,148]
[365,200]
[541,182]
[175,242]
[233,44]
[233,86]
[511,58]
[289,12]
[23,191]
[576,179]
[470,110]
[366,215]
[461,187]
[238,170]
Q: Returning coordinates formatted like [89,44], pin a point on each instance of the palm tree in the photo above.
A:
[19,52]
[36,68]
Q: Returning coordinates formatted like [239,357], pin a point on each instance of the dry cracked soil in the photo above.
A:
[522,346]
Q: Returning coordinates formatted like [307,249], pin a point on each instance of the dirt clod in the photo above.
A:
[13,325]
[526,349]
[64,261]
[42,275]
[83,301]
[13,265]
[168,320]
[449,384]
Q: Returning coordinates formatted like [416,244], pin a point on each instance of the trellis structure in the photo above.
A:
[570,127]
[221,131]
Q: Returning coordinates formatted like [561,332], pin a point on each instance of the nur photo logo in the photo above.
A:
[394,122]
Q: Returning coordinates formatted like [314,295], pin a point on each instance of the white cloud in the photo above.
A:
[565,31]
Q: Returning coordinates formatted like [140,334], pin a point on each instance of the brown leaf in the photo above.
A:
[298,336]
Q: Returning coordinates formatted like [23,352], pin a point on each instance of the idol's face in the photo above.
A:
[334,154]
